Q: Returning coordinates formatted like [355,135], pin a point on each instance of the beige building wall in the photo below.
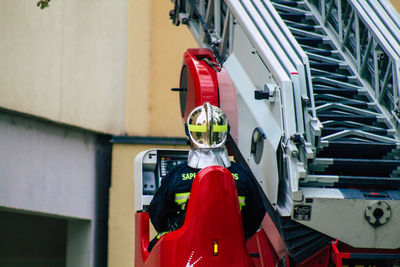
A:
[121,226]
[65,63]
[155,52]
[138,68]
[396,4]
[154,55]
[168,43]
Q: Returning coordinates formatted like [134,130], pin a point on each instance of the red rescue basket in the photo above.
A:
[212,234]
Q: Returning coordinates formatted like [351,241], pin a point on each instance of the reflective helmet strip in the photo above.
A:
[203,128]
[198,128]
[220,128]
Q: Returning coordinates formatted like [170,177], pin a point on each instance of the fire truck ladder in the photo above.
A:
[354,81]
[320,80]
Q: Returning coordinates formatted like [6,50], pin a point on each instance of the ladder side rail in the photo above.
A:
[297,48]
[388,17]
[272,36]
[271,62]
[302,85]
[254,36]
[193,25]
[224,47]
[283,45]
[217,18]
[293,107]
[258,32]
[201,9]
[312,124]
[295,160]
[282,51]
[391,11]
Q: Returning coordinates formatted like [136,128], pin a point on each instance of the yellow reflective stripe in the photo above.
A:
[242,201]
[161,234]
[181,198]
[215,250]
[198,128]
[220,128]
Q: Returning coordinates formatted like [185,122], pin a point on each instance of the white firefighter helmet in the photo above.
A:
[207,127]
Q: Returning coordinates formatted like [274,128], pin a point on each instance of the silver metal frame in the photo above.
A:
[369,33]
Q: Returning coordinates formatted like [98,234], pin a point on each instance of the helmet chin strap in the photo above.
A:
[200,158]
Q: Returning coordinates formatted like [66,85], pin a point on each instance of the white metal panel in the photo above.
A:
[344,219]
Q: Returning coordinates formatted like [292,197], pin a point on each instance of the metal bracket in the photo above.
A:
[268,93]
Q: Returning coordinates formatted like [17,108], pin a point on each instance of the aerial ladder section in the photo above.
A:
[317,89]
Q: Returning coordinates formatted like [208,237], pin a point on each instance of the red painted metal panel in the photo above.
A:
[254,251]
[228,102]
[267,252]
[141,237]
[202,81]
[320,259]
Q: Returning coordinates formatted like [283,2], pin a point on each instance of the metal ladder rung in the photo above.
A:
[304,27]
[326,131]
[291,9]
[312,40]
[327,66]
[289,3]
[349,103]
[296,17]
[361,150]
[354,167]
[340,78]
[337,99]
[335,83]
[358,118]
[335,91]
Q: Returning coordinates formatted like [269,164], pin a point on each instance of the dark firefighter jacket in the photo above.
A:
[167,209]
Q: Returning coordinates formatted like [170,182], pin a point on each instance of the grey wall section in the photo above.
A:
[79,244]
[54,170]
